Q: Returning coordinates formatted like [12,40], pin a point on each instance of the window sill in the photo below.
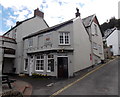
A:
[64,44]
[48,71]
[39,70]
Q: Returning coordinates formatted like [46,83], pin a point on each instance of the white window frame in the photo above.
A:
[47,61]
[64,42]
[39,64]
[25,64]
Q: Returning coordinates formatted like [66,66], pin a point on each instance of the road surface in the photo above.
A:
[102,81]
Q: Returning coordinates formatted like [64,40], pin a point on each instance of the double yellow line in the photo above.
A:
[69,85]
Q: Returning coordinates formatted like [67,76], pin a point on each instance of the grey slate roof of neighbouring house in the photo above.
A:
[87,21]
[20,22]
[49,29]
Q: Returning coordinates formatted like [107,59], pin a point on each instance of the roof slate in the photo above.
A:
[49,29]
[21,23]
[87,21]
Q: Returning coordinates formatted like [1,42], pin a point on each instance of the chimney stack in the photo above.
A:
[37,12]
[77,13]
[17,23]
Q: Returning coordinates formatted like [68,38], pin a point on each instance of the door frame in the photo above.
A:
[67,64]
[31,65]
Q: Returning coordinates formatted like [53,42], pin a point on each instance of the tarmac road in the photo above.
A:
[103,81]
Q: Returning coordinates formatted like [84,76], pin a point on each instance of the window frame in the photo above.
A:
[48,64]
[25,64]
[39,59]
[64,39]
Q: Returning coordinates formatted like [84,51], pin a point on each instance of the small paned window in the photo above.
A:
[39,62]
[64,38]
[50,61]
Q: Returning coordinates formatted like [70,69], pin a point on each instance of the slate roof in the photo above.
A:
[49,29]
[21,23]
[88,20]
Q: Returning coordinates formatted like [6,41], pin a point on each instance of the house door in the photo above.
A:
[62,67]
[31,66]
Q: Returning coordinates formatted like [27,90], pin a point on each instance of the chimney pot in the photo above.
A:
[77,13]
[17,23]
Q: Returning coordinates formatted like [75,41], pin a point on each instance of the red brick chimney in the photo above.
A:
[37,12]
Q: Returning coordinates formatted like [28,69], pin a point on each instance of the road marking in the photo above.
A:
[69,85]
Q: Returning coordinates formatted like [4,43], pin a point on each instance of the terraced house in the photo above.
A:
[63,49]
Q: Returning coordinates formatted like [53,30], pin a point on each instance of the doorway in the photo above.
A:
[62,67]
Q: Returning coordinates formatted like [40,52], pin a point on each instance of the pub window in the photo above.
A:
[39,62]
[50,61]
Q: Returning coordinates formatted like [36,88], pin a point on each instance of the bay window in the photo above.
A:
[39,63]
[50,62]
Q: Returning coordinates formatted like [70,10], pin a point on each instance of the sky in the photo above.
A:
[55,11]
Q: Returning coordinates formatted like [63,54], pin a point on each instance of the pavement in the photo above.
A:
[21,86]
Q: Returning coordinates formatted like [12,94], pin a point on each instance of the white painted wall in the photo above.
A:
[82,46]
[54,40]
[113,40]
[28,27]
[97,39]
